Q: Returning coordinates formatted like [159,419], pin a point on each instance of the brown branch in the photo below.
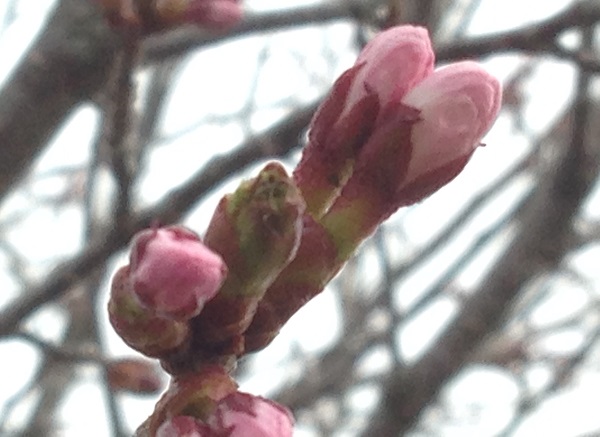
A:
[66,65]
[534,38]
[176,43]
[118,129]
[71,58]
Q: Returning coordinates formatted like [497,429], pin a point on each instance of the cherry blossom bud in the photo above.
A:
[173,273]
[245,415]
[390,133]
[184,426]
[217,14]
[194,394]
[395,61]
[458,104]
[387,68]
[417,146]
[214,14]
[257,230]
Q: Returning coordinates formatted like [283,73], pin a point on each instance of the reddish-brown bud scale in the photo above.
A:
[143,331]
[334,142]
[367,198]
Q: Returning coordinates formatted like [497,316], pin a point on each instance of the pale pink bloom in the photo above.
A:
[458,104]
[244,415]
[173,273]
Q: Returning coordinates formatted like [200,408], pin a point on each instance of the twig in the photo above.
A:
[175,43]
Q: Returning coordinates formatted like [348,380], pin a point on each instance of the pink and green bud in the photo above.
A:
[419,131]
[141,329]
[387,68]
[359,168]
[245,415]
[173,274]
[417,146]
[257,230]
[237,415]
[194,394]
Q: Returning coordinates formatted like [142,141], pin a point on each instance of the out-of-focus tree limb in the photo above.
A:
[178,42]
[536,38]
[428,13]
[66,65]
[543,239]
[71,58]
[56,76]
[276,142]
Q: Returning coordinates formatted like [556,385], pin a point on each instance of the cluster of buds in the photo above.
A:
[155,15]
[392,131]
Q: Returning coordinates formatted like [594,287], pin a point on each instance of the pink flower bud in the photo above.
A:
[184,426]
[387,68]
[457,105]
[173,273]
[425,129]
[244,415]
[214,14]
[394,62]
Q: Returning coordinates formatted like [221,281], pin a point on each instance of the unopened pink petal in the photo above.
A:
[395,61]
[173,273]
[458,105]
